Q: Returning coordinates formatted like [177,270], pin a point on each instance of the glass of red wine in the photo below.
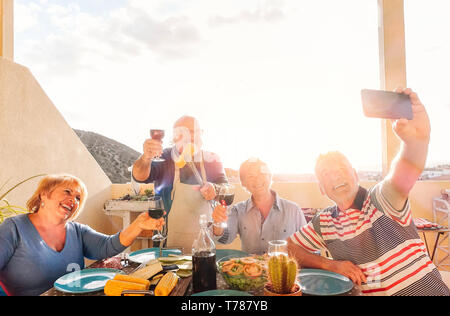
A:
[156,211]
[157,134]
[225,197]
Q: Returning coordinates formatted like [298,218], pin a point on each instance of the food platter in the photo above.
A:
[243,273]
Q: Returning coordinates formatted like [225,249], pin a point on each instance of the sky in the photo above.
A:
[274,79]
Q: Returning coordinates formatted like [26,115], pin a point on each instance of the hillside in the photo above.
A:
[114,158]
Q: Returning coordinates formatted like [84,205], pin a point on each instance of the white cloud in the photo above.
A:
[25,16]
[262,76]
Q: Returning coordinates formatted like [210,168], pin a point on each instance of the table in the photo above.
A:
[439,232]
[183,288]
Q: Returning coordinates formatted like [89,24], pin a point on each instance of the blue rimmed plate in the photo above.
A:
[222,293]
[321,282]
[148,254]
[85,281]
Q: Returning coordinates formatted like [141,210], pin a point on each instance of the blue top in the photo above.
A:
[29,267]
[163,172]
[284,219]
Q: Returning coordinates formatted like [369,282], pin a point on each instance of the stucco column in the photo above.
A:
[392,67]
[7,29]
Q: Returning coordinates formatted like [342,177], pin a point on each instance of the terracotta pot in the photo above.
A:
[268,291]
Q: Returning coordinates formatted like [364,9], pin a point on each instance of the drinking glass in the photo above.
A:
[225,197]
[157,134]
[156,211]
[278,247]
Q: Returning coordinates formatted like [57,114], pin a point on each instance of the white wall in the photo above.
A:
[35,139]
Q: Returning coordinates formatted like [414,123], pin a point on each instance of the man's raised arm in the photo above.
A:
[410,161]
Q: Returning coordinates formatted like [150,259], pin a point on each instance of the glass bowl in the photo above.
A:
[244,273]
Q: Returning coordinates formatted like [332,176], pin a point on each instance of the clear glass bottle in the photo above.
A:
[204,259]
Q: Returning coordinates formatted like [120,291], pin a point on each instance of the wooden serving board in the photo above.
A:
[181,287]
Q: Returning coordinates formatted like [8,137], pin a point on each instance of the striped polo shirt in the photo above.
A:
[382,241]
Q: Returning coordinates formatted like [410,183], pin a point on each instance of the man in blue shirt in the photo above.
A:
[260,219]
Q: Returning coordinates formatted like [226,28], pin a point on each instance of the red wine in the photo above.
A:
[157,134]
[155,213]
[204,271]
[227,198]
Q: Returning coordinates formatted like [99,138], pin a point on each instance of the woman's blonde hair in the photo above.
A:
[48,184]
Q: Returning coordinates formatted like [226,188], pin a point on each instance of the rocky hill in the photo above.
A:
[114,158]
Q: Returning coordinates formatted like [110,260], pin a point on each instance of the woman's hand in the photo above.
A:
[145,222]
[142,222]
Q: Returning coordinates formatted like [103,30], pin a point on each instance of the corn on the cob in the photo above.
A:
[127,278]
[115,287]
[166,284]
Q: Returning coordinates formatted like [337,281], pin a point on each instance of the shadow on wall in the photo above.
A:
[93,215]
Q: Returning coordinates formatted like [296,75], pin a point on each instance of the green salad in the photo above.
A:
[244,274]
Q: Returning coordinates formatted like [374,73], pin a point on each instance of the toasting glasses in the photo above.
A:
[157,134]
[225,197]
[156,211]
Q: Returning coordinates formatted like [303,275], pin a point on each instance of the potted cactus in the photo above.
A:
[282,277]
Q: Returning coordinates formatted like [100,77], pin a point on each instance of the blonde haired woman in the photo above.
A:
[38,248]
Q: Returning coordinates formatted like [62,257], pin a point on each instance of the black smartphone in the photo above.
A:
[386,104]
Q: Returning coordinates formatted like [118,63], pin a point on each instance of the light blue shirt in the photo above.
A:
[284,219]
[28,266]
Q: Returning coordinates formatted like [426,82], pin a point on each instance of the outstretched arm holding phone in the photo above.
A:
[410,161]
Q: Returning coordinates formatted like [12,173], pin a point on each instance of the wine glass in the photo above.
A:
[225,197]
[278,247]
[156,211]
[157,134]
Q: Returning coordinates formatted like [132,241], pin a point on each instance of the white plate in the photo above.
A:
[145,255]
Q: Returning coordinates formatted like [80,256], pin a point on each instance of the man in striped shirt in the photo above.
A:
[370,234]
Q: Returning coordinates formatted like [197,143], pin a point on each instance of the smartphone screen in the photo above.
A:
[386,104]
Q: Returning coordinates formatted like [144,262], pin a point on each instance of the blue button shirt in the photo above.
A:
[284,219]
[28,266]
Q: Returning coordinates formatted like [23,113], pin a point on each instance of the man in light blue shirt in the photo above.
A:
[263,217]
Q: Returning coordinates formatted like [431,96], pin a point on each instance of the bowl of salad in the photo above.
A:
[244,273]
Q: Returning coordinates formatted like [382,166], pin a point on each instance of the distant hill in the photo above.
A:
[113,157]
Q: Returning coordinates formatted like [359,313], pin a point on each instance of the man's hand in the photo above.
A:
[348,269]
[219,214]
[417,129]
[152,148]
[208,191]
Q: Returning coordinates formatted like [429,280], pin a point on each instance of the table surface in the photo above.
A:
[182,289]
[436,230]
